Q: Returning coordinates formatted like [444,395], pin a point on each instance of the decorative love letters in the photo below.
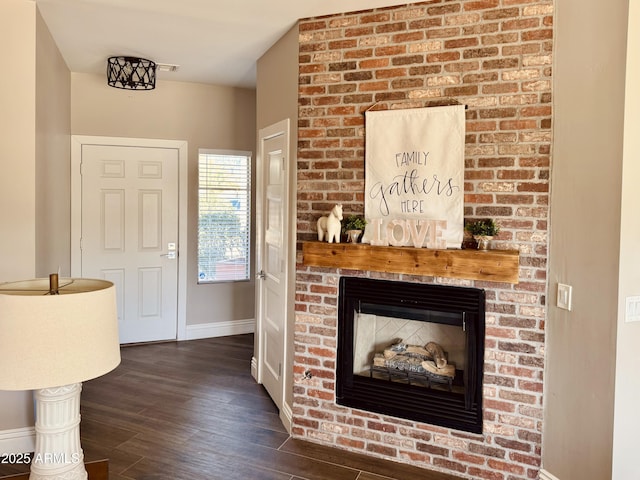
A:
[414,177]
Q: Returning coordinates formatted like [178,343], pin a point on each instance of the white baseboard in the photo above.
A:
[220,329]
[544,475]
[18,440]
[286,416]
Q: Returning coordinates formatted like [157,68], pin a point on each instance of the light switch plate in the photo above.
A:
[632,309]
[564,296]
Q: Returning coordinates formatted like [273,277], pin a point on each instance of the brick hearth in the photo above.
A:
[495,57]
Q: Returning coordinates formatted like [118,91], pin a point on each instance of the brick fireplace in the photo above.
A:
[495,57]
[383,329]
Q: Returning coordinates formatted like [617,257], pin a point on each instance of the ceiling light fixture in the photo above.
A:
[131,73]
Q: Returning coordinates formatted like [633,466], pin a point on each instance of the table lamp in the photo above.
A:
[55,334]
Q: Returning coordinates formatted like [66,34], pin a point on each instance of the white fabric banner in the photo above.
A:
[414,177]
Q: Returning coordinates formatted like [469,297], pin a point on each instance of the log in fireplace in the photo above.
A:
[411,350]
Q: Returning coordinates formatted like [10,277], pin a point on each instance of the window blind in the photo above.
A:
[224,214]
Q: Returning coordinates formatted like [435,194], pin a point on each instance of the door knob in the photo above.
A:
[172,252]
[261,275]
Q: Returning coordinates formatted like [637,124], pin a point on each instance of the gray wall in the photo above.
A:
[627,393]
[206,116]
[53,150]
[589,76]
[277,99]
[34,156]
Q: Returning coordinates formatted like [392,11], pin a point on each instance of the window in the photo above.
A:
[224,215]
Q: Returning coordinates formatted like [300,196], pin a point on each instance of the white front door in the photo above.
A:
[129,232]
[272,226]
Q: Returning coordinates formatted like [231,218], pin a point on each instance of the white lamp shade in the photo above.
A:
[54,340]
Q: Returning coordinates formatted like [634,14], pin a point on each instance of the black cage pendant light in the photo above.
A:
[131,73]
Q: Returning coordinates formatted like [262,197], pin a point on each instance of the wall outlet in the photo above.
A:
[564,296]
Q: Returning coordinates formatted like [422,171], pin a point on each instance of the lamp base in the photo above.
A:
[58,454]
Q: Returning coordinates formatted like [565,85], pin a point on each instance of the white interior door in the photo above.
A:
[129,234]
[272,267]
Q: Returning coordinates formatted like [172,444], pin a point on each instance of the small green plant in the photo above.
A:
[354,222]
[484,228]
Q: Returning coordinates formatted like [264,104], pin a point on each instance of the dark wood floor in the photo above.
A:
[191,410]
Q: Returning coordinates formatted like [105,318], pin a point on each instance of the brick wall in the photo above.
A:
[495,57]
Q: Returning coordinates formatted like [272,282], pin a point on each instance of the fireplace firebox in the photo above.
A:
[411,350]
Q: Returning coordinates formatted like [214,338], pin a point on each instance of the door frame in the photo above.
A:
[77,142]
[282,127]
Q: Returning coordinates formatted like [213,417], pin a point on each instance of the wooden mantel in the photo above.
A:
[489,265]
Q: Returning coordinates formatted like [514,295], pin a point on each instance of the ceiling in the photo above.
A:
[213,41]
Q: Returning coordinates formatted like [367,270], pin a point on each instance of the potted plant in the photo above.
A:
[483,232]
[353,227]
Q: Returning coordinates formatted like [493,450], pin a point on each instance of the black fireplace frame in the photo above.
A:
[411,402]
